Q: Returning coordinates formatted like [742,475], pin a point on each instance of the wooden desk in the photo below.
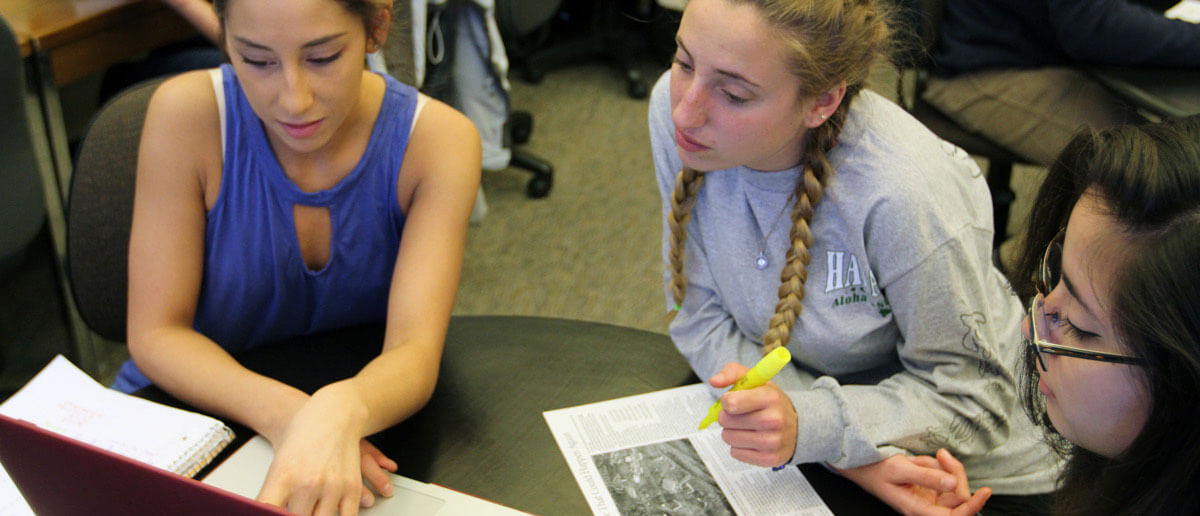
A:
[483,431]
[66,40]
[63,41]
[82,37]
[25,43]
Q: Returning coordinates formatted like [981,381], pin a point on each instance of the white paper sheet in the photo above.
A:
[11,501]
[64,399]
[1187,10]
[243,473]
[644,455]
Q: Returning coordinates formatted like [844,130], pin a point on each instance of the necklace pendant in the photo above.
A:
[760,263]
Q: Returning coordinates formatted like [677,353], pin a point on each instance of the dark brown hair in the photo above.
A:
[367,10]
[1147,178]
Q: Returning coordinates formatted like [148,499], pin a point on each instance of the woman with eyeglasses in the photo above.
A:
[1114,322]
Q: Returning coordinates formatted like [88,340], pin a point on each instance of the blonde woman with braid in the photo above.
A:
[804,211]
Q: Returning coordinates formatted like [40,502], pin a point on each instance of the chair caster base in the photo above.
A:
[539,187]
[520,127]
[543,173]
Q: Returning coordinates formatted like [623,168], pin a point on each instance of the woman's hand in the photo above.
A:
[920,485]
[375,468]
[321,459]
[759,424]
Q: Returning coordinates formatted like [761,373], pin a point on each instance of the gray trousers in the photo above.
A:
[1033,112]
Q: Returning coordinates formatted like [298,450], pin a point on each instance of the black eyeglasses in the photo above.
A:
[1051,274]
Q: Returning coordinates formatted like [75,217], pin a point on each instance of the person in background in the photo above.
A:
[1113,364]
[287,193]
[803,210]
[1012,70]
[193,53]
[201,15]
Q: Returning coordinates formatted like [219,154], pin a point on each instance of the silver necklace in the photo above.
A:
[761,262]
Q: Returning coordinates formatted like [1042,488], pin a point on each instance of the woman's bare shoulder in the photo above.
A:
[439,118]
[444,151]
[442,137]
[186,101]
[182,133]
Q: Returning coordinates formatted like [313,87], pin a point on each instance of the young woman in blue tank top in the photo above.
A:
[293,192]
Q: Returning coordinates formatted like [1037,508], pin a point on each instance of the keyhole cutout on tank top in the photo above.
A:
[314,232]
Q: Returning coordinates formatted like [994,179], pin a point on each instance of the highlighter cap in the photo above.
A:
[766,368]
[773,362]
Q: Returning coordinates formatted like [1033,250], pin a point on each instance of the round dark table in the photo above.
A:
[483,431]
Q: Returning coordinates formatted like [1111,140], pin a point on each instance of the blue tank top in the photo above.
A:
[256,287]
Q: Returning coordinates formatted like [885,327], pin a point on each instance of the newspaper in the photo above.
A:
[644,455]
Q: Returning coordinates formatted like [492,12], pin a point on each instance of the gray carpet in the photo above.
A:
[590,249]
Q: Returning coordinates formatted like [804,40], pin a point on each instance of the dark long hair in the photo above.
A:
[1148,179]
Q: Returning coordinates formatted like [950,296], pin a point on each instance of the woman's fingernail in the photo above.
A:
[947,484]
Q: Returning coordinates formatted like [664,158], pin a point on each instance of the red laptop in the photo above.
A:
[58,475]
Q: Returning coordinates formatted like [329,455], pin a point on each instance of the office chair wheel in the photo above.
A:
[520,127]
[637,90]
[539,186]
[634,84]
[531,74]
[543,173]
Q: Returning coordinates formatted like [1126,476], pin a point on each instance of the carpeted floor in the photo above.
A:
[590,249]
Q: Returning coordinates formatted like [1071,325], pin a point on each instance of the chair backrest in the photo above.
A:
[100,211]
[398,49]
[22,207]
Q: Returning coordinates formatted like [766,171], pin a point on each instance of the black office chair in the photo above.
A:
[100,210]
[525,18]
[518,127]
[22,207]
[926,18]
[603,32]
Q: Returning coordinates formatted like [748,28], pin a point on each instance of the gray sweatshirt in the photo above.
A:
[909,338]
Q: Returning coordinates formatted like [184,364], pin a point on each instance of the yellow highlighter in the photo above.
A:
[763,371]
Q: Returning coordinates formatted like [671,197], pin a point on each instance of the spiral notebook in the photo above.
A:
[65,400]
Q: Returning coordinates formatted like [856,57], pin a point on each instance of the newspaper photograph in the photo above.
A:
[644,454]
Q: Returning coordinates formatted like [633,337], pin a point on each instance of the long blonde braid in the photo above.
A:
[817,171]
[829,42]
[687,185]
